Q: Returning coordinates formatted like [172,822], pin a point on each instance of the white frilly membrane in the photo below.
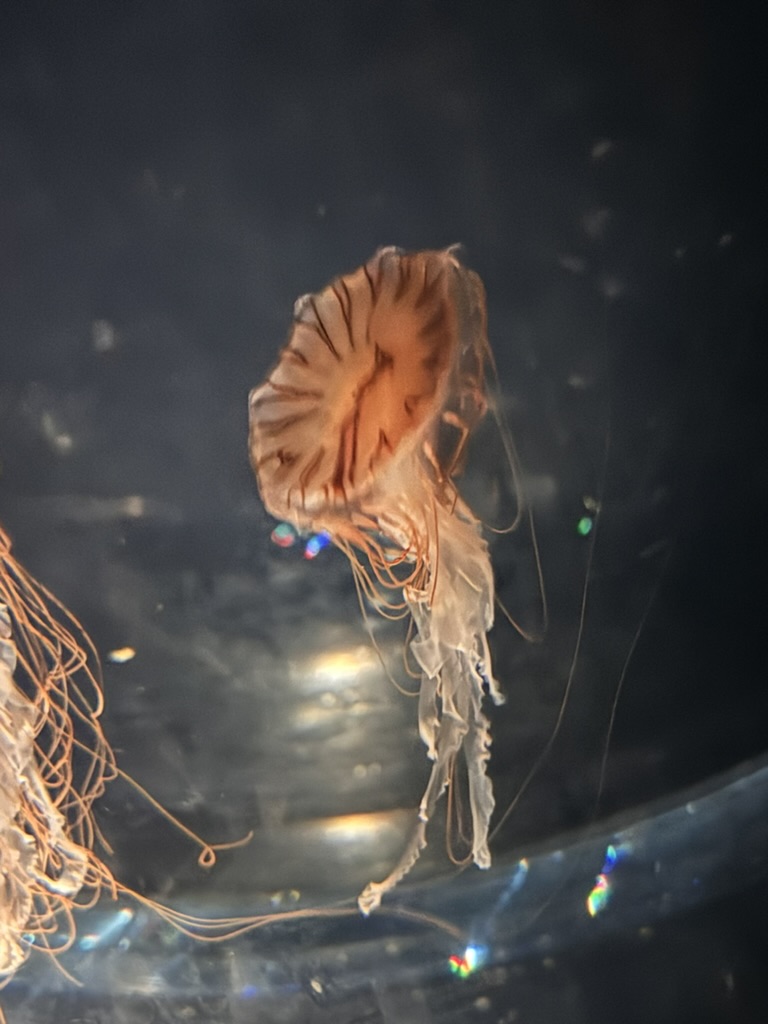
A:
[452,613]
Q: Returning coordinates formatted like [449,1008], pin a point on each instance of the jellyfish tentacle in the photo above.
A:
[50,702]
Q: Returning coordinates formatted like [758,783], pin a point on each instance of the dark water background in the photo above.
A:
[172,176]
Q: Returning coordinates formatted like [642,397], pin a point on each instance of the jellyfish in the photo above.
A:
[55,762]
[359,432]
[50,703]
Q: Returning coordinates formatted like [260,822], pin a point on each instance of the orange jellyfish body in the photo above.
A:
[358,431]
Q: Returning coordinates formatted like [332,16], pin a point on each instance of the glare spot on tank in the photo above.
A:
[333,669]
[354,828]
[325,681]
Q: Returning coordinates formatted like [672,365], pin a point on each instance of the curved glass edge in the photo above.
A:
[623,878]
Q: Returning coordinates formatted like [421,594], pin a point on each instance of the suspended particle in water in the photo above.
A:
[121,655]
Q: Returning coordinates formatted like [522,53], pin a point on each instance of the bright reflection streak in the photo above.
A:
[356,828]
[110,929]
[332,683]
[333,669]
[343,666]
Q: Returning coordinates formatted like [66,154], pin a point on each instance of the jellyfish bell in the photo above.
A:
[374,364]
[359,431]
